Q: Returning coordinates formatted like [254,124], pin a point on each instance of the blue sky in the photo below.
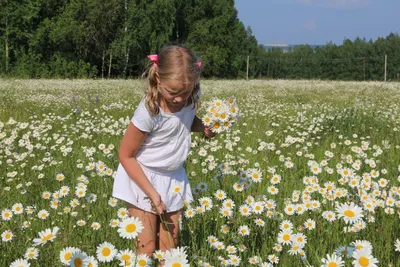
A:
[318,21]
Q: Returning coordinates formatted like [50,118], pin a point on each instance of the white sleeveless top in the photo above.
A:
[161,156]
[167,145]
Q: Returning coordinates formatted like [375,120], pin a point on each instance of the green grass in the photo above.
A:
[90,113]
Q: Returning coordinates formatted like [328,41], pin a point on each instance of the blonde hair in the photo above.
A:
[174,63]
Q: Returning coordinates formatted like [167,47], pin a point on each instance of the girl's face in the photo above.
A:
[174,93]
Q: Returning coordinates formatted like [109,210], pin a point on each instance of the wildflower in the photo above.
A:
[244,230]
[79,259]
[190,212]
[363,258]
[66,255]
[20,263]
[176,262]
[285,236]
[397,243]
[231,249]
[345,251]
[31,253]
[259,222]
[309,224]
[17,208]
[220,194]
[225,212]
[177,188]
[6,215]
[7,236]
[362,244]
[130,227]
[159,255]
[245,210]
[106,252]
[349,212]
[126,257]
[96,226]
[122,213]
[332,260]
[45,236]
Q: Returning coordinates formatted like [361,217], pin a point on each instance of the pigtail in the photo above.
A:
[195,96]
[151,93]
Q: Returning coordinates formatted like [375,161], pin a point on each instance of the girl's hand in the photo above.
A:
[208,133]
[157,205]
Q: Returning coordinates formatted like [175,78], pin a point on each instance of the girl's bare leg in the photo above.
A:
[148,237]
[169,230]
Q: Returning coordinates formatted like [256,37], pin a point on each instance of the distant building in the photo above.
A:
[287,47]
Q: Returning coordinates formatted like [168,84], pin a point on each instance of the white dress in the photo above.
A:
[161,157]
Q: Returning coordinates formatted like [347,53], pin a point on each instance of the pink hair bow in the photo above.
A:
[153,58]
[199,64]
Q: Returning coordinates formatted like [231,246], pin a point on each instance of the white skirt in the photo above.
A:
[173,187]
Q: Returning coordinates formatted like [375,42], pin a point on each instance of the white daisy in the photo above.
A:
[7,236]
[130,227]
[364,258]
[143,260]
[332,261]
[66,255]
[31,253]
[349,212]
[397,243]
[20,263]
[106,252]
[79,259]
[244,230]
[45,236]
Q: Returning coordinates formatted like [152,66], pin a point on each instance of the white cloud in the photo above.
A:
[336,3]
[310,25]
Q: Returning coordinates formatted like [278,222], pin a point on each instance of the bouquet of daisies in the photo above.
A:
[221,115]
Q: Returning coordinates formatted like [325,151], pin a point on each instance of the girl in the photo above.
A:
[151,177]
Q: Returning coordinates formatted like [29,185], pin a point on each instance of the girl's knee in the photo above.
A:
[148,247]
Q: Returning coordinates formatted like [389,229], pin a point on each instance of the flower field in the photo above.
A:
[309,175]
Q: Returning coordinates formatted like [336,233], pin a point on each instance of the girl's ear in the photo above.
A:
[157,78]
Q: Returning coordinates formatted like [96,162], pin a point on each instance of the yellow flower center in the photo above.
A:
[363,261]
[142,262]
[106,252]
[332,264]
[78,262]
[286,237]
[349,213]
[47,237]
[126,257]
[176,264]
[67,256]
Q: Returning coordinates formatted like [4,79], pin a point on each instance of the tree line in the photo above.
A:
[111,39]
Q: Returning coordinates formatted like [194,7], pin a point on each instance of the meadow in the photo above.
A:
[308,176]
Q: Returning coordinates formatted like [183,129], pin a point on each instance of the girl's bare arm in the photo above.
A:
[197,125]
[130,144]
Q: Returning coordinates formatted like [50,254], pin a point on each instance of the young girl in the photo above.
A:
[151,177]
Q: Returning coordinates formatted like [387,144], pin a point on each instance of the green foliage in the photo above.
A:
[111,38]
